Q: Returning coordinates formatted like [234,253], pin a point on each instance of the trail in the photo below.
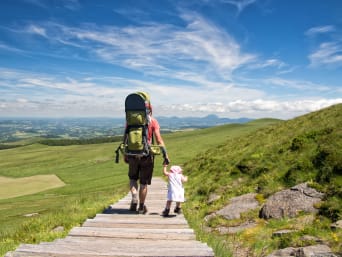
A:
[119,232]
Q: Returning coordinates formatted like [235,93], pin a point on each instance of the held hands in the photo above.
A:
[166,161]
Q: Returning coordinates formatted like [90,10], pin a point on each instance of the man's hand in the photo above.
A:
[166,161]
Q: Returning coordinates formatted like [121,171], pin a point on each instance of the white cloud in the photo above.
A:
[319,30]
[91,96]
[10,48]
[240,4]
[258,108]
[300,85]
[267,64]
[154,49]
[328,53]
[34,29]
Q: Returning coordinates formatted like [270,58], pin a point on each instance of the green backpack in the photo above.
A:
[137,108]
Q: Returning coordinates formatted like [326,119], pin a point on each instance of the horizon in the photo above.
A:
[231,58]
[117,117]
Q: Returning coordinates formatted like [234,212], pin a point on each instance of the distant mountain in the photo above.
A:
[196,122]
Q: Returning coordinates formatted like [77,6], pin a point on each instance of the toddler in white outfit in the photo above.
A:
[175,192]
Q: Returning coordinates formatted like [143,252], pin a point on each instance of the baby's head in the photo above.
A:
[176,169]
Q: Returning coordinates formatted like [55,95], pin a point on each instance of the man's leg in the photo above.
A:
[133,174]
[142,197]
[145,179]
[134,193]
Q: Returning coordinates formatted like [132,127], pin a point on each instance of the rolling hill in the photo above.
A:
[92,181]
[261,156]
[276,157]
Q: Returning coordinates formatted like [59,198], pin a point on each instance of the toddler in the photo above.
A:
[175,188]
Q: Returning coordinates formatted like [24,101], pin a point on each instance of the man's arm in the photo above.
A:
[160,141]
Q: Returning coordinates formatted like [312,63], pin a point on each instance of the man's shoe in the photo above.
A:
[142,210]
[133,206]
[178,210]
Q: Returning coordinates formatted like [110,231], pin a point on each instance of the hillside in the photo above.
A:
[261,156]
[279,156]
[92,181]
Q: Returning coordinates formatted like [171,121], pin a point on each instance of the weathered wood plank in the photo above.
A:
[97,249]
[141,218]
[151,223]
[120,232]
[136,243]
[171,234]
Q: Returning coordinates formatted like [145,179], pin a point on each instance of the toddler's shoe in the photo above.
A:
[166,212]
[178,210]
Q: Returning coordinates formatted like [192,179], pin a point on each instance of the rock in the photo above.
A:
[58,229]
[308,251]
[236,229]
[336,225]
[289,202]
[213,198]
[239,205]
[314,239]
[286,252]
[315,251]
[209,217]
[283,232]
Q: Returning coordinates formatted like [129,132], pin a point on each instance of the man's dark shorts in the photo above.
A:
[141,169]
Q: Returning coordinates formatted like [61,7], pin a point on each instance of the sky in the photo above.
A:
[248,58]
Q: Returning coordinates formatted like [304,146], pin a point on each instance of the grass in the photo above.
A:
[92,181]
[305,149]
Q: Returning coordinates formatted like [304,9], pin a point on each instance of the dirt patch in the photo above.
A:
[14,187]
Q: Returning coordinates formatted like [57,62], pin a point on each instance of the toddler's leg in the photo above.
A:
[167,208]
[178,208]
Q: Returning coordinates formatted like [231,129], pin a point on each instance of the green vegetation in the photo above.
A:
[305,149]
[93,181]
[262,156]
[85,141]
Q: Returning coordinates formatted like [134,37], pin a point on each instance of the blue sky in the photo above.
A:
[249,58]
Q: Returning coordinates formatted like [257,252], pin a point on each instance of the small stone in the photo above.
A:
[58,229]
[213,198]
[336,225]
[31,214]
[283,232]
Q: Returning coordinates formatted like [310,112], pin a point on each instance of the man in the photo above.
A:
[141,168]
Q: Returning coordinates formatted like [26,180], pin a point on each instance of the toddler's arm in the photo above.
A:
[166,173]
[184,178]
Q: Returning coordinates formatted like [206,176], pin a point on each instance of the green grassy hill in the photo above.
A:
[305,149]
[92,181]
[261,156]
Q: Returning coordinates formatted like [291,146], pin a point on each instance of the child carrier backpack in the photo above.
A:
[135,143]
[136,108]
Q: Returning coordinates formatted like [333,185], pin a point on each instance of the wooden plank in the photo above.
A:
[136,242]
[149,223]
[97,249]
[171,234]
[172,218]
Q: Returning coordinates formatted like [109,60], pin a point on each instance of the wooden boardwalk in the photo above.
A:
[119,232]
